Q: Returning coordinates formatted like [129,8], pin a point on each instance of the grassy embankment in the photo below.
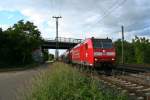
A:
[63,82]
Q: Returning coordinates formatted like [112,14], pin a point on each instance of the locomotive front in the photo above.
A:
[104,52]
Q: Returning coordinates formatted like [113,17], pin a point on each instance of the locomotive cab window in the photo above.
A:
[106,44]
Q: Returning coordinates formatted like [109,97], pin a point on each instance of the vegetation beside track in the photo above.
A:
[135,52]
[63,82]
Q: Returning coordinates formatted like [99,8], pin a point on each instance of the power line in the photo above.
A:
[111,10]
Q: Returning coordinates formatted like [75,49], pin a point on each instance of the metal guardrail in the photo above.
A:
[66,40]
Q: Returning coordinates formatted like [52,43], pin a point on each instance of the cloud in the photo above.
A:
[85,18]
[4,26]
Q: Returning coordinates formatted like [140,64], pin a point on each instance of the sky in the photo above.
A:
[81,18]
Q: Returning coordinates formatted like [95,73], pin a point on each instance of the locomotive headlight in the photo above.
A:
[91,64]
[113,58]
[96,59]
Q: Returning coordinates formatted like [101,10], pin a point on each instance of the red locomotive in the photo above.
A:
[93,52]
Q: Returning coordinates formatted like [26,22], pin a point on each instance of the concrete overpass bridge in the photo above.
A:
[63,43]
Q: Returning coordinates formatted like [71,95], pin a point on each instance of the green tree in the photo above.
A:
[18,43]
[136,51]
[128,51]
[142,49]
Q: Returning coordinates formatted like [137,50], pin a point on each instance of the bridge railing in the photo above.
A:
[67,40]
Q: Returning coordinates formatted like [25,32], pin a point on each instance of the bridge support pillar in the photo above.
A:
[56,54]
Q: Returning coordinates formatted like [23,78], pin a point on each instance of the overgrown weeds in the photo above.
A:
[63,82]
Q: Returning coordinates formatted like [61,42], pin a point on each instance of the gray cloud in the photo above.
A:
[100,18]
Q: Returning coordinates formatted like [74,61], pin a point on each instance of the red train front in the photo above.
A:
[104,52]
[94,52]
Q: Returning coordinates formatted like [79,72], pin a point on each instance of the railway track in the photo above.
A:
[134,81]
[135,85]
[135,90]
[133,68]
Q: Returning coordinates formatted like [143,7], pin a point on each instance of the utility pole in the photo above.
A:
[122,28]
[57,52]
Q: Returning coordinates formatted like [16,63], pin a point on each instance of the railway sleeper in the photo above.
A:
[119,88]
[140,98]
[138,87]
[145,90]
[120,80]
[131,94]
[128,83]
[131,85]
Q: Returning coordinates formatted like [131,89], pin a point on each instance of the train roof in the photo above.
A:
[97,39]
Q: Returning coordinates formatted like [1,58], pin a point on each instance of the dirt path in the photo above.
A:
[10,82]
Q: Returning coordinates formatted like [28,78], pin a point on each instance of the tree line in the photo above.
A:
[18,42]
[135,52]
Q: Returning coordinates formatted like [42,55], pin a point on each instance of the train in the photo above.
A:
[92,52]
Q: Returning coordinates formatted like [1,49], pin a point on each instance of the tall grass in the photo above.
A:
[62,82]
